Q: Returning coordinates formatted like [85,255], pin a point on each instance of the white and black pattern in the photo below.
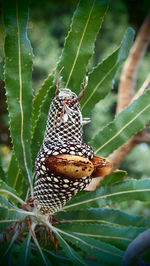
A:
[63,135]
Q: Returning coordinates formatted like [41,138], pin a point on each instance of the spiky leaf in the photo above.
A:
[101,78]
[18,73]
[108,195]
[2,173]
[41,123]
[9,213]
[14,176]
[79,45]
[103,216]
[125,125]
[39,99]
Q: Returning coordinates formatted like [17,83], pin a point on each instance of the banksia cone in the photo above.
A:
[65,164]
[63,135]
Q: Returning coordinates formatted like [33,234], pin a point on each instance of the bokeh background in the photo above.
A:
[49,22]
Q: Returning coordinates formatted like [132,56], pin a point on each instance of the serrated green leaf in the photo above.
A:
[21,259]
[41,123]
[70,252]
[108,195]
[117,236]
[9,213]
[126,124]
[14,176]
[39,99]
[103,252]
[18,74]
[79,45]
[9,193]
[58,257]
[3,185]
[2,173]
[103,216]
[101,78]
[114,177]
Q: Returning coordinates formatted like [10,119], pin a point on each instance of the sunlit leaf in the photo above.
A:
[113,178]
[126,124]
[79,45]
[101,78]
[108,195]
[18,74]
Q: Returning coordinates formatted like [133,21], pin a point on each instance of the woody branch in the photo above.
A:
[127,86]
[126,94]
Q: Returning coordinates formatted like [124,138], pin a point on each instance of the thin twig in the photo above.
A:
[127,85]
[129,72]
[145,86]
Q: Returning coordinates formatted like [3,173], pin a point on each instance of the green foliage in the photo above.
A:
[18,71]
[100,79]
[103,252]
[10,213]
[4,186]
[2,173]
[104,216]
[88,229]
[80,42]
[40,113]
[108,195]
[125,125]
[14,176]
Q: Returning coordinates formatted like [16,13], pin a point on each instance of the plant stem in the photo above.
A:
[13,195]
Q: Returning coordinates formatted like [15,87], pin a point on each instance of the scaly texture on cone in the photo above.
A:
[63,135]
[65,164]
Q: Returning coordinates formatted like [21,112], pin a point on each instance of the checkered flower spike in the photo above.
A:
[63,135]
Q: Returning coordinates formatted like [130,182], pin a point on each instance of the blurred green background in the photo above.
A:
[49,22]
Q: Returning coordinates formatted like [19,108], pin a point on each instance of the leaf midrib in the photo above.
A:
[77,54]
[120,131]
[20,98]
[106,196]
[98,84]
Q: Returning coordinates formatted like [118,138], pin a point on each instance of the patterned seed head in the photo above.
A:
[63,135]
